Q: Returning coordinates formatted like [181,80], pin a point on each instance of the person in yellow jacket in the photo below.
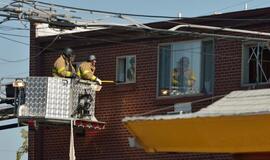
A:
[187,77]
[63,65]
[87,70]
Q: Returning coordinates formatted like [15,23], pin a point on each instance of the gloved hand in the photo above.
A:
[98,81]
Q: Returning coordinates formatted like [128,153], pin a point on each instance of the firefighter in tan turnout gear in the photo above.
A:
[63,65]
[87,69]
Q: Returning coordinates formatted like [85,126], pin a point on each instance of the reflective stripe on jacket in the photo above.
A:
[63,67]
[86,71]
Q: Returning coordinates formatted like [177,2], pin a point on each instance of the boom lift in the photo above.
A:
[53,100]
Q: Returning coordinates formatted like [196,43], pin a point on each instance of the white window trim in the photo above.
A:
[116,69]
[242,68]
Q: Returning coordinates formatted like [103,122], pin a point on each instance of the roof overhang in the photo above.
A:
[237,123]
[223,134]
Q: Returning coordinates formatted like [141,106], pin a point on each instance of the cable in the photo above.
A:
[105,40]
[25,59]
[152,16]
[169,107]
[3,37]
[231,6]
[11,27]
[257,5]
[15,35]
[105,12]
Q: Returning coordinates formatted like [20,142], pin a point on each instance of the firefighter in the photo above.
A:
[87,69]
[63,65]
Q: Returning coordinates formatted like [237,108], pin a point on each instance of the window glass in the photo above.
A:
[121,67]
[164,69]
[208,66]
[186,68]
[182,70]
[126,69]
[256,64]
[131,69]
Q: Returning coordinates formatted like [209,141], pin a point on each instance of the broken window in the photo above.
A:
[186,68]
[256,63]
[126,69]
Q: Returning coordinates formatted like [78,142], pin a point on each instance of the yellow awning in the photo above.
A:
[220,134]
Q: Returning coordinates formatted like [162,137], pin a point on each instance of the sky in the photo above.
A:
[14,48]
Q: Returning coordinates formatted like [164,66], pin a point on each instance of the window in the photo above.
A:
[126,69]
[186,68]
[256,64]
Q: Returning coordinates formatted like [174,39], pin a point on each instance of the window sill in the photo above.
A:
[255,86]
[170,100]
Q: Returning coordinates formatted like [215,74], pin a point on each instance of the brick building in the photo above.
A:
[219,65]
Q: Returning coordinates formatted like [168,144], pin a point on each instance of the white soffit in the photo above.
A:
[43,30]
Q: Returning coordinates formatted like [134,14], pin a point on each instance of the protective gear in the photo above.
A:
[98,81]
[63,67]
[92,58]
[68,52]
[86,71]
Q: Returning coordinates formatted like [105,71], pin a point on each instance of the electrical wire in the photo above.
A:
[11,28]
[119,14]
[13,40]
[257,5]
[105,12]
[15,35]
[110,41]
[231,6]
[25,59]
[104,40]
[170,107]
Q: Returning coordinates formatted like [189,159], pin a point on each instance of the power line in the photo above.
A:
[119,14]
[15,35]
[10,28]
[170,107]
[25,59]
[257,5]
[3,37]
[105,12]
[231,6]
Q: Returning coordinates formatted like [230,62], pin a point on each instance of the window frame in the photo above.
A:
[243,84]
[116,69]
[201,69]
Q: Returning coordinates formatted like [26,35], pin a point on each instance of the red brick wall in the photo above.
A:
[115,102]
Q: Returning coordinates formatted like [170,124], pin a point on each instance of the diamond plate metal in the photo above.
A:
[36,97]
[83,88]
[56,98]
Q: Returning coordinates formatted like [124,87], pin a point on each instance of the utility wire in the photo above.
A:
[3,37]
[169,107]
[257,5]
[11,28]
[15,35]
[105,12]
[25,59]
[231,6]
[119,14]
[109,41]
